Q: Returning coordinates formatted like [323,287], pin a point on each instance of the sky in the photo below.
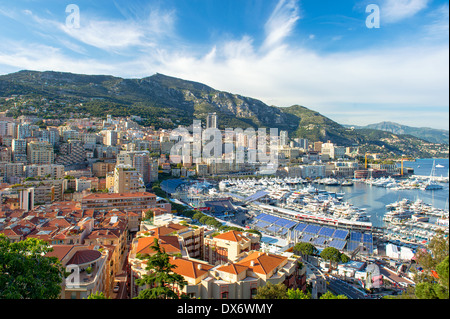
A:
[356,62]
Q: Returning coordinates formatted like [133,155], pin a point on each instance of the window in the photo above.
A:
[223,292]
[253,292]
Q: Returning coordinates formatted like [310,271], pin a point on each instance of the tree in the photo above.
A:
[345,258]
[97,295]
[330,295]
[160,278]
[443,272]
[25,271]
[297,294]
[331,254]
[432,282]
[271,291]
[306,249]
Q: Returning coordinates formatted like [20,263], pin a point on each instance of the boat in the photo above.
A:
[439,166]
[347,183]
[431,184]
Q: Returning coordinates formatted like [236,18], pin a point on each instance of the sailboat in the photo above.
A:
[431,184]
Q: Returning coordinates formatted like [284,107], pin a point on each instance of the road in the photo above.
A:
[341,287]
[337,286]
[122,280]
[392,275]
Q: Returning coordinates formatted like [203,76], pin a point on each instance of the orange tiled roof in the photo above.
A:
[168,229]
[169,243]
[84,256]
[232,235]
[263,263]
[233,268]
[60,251]
[189,268]
[118,195]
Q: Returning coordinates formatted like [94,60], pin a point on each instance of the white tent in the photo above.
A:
[392,251]
[406,253]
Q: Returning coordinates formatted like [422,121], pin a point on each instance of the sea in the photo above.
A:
[374,199]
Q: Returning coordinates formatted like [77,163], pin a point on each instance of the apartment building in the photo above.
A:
[135,202]
[127,179]
[100,169]
[19,150]
[40,153]
[72,152]
[229,246]
[110,138]
[12,172]
[87,266]
[51,170]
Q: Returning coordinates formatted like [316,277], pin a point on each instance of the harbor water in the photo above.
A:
[374,199]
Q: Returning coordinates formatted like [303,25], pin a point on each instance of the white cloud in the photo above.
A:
[281,22]
[276,72]
[396,10]
[24,56]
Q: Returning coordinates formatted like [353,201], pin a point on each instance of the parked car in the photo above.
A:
[116,287]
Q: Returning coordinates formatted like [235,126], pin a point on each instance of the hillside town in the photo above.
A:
[101,191]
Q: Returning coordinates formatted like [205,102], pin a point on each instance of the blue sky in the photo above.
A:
[315,53]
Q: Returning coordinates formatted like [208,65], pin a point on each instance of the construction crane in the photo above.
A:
[403,159]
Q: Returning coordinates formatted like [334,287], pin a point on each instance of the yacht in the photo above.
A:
[347,183]
[431,184]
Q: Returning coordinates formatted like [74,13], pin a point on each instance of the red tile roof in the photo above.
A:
[262,263]
[84,257]
[169,243]
[118,195]
[189,268]
[232,235]
[233,268]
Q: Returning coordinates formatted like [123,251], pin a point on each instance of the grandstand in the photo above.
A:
[318,235]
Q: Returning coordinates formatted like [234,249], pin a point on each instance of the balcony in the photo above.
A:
[86,268]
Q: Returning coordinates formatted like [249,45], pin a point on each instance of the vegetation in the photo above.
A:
[97,295]
[166,102]
[160,280]
[280,291]
[431,272]
[25,271]
[271,291]
[330,295]
[432,279]
[306,249]
[333,255]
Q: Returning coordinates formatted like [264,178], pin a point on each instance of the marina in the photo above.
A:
[361,214]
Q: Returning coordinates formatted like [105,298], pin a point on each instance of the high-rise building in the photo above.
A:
[72,152]
[110,138]
[19,150]
[284,138]
[40,153]
[7,128]
[51,135]
[127,179]
[211,120]
[51,170]
[23,130]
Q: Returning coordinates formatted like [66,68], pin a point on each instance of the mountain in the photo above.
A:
[160,98]
[167,102]
[426,133]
